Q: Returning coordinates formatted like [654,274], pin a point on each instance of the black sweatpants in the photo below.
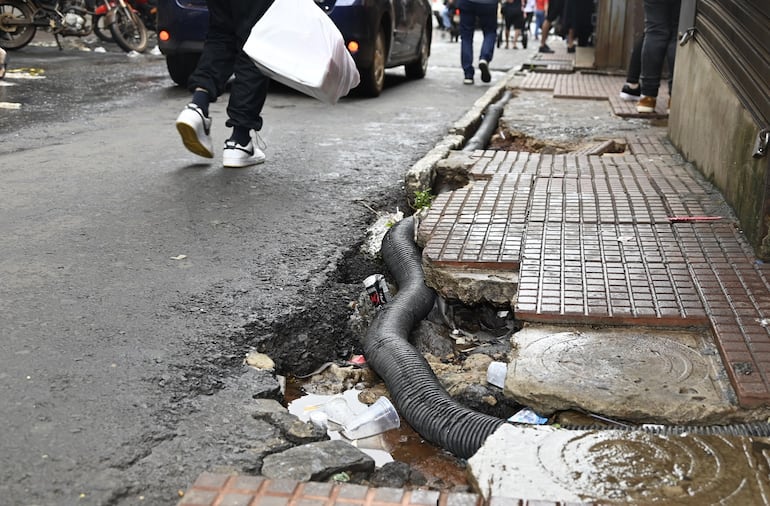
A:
[230,22]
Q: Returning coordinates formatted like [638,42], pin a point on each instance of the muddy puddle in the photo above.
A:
[623,467]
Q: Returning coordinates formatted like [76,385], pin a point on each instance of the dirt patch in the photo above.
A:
[302,340]
[512,140]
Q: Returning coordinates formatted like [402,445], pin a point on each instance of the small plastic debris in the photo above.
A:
[357,360]
[496,373]
[377,289]
[526,415]
[319,419]
[337,410]
[376,419]
[179,257]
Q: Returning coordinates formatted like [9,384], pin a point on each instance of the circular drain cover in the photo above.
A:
[627,373]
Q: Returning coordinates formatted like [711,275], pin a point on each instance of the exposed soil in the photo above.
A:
[511,140]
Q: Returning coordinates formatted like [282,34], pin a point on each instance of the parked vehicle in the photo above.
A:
[147,10]
[20,20]
[379,34]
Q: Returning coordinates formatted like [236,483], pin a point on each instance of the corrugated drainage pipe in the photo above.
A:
[480,139]
[415,390]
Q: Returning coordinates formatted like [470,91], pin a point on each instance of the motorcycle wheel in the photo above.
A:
[16,27]
[101,30]
[129,31]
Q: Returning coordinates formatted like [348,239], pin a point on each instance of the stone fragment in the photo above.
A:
[318,461]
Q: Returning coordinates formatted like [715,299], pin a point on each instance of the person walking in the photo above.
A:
[539,16]
[513,15]
[661,20]
[556,10]
[529,14]
[230,23]
[631,90]
[485,11]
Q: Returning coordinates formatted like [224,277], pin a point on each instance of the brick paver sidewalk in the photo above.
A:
[632,239]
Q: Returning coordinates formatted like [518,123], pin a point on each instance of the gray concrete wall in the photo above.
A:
[713,130]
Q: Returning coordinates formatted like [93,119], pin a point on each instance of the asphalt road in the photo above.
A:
[134,275]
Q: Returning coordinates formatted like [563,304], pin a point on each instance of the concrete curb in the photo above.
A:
[422,174]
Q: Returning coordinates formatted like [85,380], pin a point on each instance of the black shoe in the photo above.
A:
[484,68]
[545,49]
[571,49]
[630,94]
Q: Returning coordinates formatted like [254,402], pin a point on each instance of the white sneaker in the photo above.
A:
[195,129]
[236,156]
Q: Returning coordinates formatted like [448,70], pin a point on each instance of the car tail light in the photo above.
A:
[353,46]
[163,35]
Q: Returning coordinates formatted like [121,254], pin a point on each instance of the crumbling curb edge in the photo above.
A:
[421,175]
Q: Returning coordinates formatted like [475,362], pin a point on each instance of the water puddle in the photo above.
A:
[623,467]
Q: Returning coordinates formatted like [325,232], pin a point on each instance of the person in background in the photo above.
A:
[539,16]
[529,14]
[446,14]
[661,22]
[230,23]
[485,11]
[513,15]
[556,10]
[631,90]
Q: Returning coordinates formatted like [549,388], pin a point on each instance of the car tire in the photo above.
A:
[373,78]
[181,66]
[419,67]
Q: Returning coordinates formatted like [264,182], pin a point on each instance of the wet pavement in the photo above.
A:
[635,287]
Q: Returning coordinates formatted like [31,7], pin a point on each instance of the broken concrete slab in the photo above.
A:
[634,374]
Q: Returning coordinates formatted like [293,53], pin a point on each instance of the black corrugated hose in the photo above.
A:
[415,390]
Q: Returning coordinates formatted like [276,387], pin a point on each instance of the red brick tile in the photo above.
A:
[211,480]
[198,497]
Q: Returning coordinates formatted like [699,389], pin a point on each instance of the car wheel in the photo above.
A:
[419,67]
[373,78]
[181,66]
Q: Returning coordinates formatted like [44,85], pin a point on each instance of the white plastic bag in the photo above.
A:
[297,44]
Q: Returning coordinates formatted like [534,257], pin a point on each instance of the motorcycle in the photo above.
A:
[146,9]
[20,20]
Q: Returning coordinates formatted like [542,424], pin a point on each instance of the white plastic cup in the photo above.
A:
[376,419]
[496,373]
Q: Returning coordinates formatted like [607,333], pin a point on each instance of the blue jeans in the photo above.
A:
[539,18]
[487,15]
[661,20]
[445,16]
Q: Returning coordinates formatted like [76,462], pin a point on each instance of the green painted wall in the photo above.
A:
[712,129]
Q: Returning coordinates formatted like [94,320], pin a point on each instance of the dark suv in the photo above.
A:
[379,34]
